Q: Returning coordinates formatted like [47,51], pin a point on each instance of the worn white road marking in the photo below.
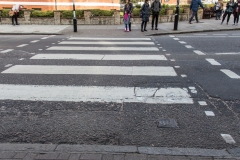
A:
[22,45]
[188,46]
[233,36]
[220,34]
[45,38]
[39,49]
[176,66]
[21,59]
[182,42]
[34,41]
[228,138]
[191,87]
[107,43]
[202,103]
[103,48]
[172,60]
[94,94]
[229,53]
[111,39]
[7,50]
[176,39]
[8,65]
[230,73]
[98,70]
[164,50]
[213,62]
[183,75]
[199,52]
[171,36]
[200,34]
[168,54]
[99,57]
[209,113]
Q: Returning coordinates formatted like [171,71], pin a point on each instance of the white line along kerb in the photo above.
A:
[95,94]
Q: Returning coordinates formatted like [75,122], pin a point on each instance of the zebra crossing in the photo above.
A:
[97,49]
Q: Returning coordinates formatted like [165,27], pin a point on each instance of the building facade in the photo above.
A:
[62,4]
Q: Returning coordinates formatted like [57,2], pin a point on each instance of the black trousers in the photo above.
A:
[236,17]
[226,14]
[155,18]
[14,17]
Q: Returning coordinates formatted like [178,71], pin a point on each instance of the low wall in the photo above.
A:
[88,19]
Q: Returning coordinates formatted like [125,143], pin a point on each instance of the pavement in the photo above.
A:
[110,152]
[205,25]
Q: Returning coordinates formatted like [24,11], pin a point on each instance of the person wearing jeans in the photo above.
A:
[194,7]
[156,7]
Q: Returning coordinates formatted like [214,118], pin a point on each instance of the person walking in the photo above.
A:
[156,7]
[194,8]
[236,12]
[218,8]
[129,8]
[16,9]
[145,11]
[126,19]
[228,11]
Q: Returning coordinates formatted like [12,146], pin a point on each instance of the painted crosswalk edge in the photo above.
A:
[94,94]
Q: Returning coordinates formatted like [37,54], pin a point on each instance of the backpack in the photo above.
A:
[217,6]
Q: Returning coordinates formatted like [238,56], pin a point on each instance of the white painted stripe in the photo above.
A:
[22,45]
[191,87]
[7,50]
[228,138]
[171,36]
[8,65]
[21,59]
[229,53]
[188,46]
[110,39]
[107,43]
[69,48]
[209,113]
[176,66]
[95,94]
[202,36]
[199,52]
[183,75]
[176,39]
[34,41]
[97,70]
[202,103]
[230,74]
[61,3]
[99,57]
[182,42]
[213,61]
[172,60]
[233,36]
[45,38]
[220,34]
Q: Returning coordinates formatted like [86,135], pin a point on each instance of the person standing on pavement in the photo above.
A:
[128,8]
[126,21]
[156,7]
[16,9]
[236,12]
[228,11]
[194,8]
[145,11]
[218,8]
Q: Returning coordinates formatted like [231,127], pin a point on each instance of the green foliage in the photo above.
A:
[181,10]
[37,13]
[208,5]
[5,12]
[138,6]
[165,6]
[185,6]
[98,12]
[136,11]
[163,11]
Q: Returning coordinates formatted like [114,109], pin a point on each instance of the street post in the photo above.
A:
[176,16]
[74,18]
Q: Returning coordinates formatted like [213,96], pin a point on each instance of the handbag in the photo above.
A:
[11,13]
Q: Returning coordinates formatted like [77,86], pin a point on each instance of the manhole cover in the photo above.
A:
[167,123]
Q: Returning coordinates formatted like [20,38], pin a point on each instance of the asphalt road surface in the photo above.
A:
[166,91]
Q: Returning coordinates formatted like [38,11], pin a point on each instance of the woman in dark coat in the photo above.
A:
[236,12]
[128,8]
[145,10]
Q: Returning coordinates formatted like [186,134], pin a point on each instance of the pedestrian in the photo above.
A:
[16,9]
[228,11]
[126,19]
[194,8]
[145,12]
[236,11]
[129,8]
[156,7]
[218,9]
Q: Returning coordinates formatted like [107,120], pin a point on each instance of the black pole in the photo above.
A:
[176,16]
[74,18]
